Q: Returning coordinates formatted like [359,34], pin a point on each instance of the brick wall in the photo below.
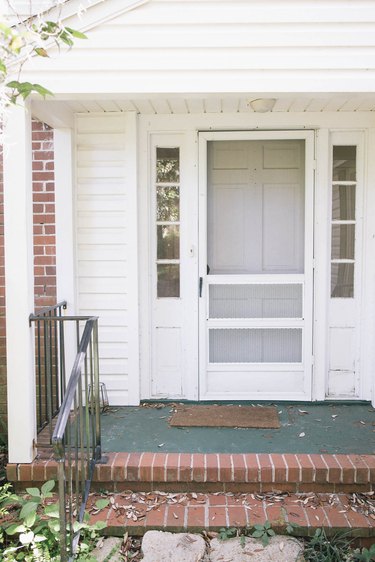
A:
[44,242]
[44,215]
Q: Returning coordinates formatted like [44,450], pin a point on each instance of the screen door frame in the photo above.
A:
[233,381]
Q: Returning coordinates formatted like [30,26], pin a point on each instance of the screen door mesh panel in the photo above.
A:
[256,301]
[254,345]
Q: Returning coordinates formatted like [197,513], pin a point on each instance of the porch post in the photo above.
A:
[65,265]
[19,285]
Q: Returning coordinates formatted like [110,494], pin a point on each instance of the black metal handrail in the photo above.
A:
[76,439]
[50,364]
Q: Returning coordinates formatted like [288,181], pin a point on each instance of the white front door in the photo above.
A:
[256,265]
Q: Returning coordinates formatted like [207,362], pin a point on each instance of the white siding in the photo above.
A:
[105,244]
[222,46]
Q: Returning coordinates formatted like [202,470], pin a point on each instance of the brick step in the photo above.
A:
[213,472]
[138,512]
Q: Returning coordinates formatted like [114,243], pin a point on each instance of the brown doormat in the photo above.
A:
[226,416]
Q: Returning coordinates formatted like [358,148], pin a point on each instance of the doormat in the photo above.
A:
[226,416]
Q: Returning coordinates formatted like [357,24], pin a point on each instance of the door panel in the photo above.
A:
[256,267]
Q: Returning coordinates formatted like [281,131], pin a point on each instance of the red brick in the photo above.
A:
[225,468]
[132,467]
[196,517]
[12,472]
[24,471]
[216,500]
[212,467]
[279,468]
[295,512]
[369,461]
[118,469]
[39,471]
[198,465]
[239,468]
[156,517]
[237,516]
[185,467]
[293,470]
[176,516]
[252,467]
[217,517]
[159,470]
[172,467]
[361,469]
[307,468]
[145,467]
[265,468]
[334,469]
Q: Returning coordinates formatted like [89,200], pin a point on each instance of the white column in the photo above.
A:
[19,285]
[322,266]
[64,217]
[133,279]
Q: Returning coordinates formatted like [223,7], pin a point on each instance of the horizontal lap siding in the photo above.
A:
[102,242]
[171,40]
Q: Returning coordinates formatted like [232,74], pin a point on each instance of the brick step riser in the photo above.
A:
[218,472]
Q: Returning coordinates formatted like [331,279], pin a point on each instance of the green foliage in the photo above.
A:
[5,493]
[19,42]
[320,548]
[33,534]
[228,533]
[365,555]
[263,532]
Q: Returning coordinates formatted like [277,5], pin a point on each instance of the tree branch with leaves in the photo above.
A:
[22,38]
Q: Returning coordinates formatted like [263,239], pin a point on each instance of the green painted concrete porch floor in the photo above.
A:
[305,428]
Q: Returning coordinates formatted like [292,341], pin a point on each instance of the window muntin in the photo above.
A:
[343,220]
[167,196]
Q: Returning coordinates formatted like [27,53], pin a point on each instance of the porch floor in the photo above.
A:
[333,428]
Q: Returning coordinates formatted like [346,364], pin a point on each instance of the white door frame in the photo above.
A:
[309,138]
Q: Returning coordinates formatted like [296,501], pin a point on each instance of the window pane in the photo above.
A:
[342,280]
[168,239]
[343,241]
[344,163]
[343,202]
[167,165]
[168,203]
[256,301]
[255,345]
[168,280]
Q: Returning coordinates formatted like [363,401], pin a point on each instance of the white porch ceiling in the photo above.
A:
[59,112]
[224,104]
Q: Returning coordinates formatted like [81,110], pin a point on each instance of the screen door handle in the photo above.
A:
[200,286]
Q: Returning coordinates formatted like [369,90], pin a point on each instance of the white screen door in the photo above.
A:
[256,264]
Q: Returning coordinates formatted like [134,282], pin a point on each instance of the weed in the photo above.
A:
[34,536]
[320,548]
[365,555]
[263,532]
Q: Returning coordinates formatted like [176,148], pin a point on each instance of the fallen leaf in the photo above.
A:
[302,434]
[302,411]
[161,444]
[334,416]
[281,546]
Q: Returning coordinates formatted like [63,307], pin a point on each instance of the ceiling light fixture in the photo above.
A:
[262,105]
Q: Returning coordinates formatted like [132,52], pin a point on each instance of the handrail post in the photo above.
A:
[98,443]
[62,508]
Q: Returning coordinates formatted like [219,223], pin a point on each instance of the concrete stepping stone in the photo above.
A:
[279,549]
[160,546]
